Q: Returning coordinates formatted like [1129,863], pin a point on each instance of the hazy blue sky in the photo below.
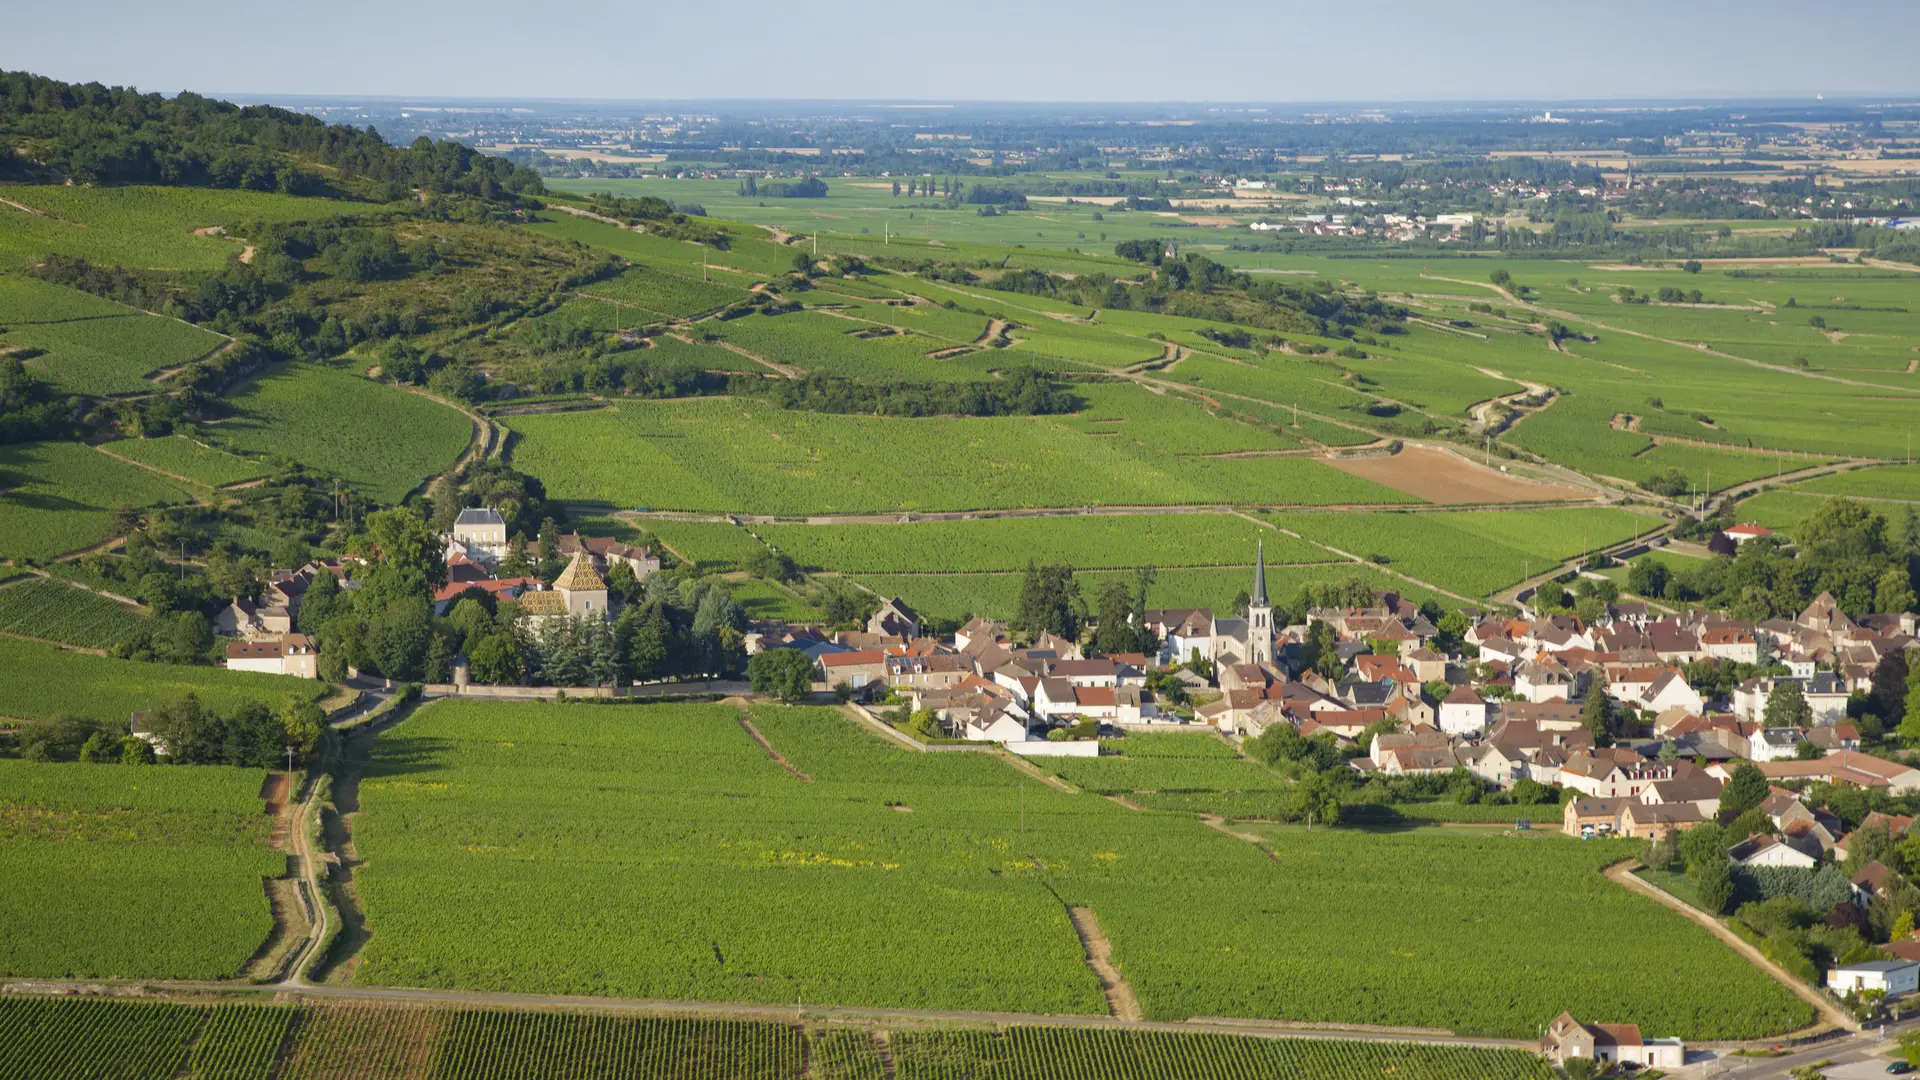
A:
[1033,50]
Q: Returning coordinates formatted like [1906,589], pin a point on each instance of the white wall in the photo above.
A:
[1049,748]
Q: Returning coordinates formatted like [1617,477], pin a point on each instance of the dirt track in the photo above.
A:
[1622,873]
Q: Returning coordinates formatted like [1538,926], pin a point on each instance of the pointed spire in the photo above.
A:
[1260,574]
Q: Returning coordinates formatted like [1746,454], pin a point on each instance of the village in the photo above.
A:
[1509,701]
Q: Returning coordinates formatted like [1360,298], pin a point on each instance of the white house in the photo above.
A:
[1891,977]
[288,654]
[1770,851]
[1773,744]
[999,726]
[1671,691]
[1462,712]
[482,530]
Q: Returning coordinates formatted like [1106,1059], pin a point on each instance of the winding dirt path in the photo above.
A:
[1622,873]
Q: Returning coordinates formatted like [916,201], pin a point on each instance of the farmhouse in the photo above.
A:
[288,654]
[481,530]
[1608,1044]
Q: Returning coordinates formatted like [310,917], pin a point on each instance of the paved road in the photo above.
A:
[1859,1055]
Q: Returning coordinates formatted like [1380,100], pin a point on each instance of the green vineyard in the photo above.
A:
[96,1039]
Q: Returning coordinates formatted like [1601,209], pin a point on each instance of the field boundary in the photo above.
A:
[1622,874]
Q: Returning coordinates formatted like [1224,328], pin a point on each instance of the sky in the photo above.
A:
[1006,50]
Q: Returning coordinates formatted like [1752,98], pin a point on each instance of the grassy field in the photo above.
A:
[740,456]
[149,1040]
[190,840]
[109,690]
[730,878]
[179,455]
[58,497]
[379,439]
[56,611]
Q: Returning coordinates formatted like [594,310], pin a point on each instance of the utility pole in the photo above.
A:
[886,233]
[289,759]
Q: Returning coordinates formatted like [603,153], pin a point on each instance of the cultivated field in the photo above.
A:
[105,689]
[732,878]
[379,439]
[56,611]
[178,455]
[741,456]
[142,1040]
[142,226]
[139,841]
[58,497]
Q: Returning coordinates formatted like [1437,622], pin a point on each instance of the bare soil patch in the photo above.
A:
[1447,479]
[1120,997]
[771,752]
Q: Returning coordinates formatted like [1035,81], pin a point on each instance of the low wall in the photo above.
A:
[548,693]
[1049,748]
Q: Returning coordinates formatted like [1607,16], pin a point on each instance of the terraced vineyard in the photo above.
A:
[380,439]
[59,497]
[56,611]
[111,355]
[140,226]
[179,455]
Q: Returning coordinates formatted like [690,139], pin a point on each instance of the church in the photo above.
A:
[1186,633]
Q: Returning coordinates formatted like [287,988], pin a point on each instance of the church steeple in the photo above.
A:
[1260,573]
[1259,612]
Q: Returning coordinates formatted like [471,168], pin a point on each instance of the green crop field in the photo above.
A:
[109,690]
[726,455]
[665,292]
[1089,543]
[112,355]
[731,878]
[180,456]
[1897,482]
[1165,763]
[27,300]
[189,840]
[56,611]
[1472,552]
[93,1039]
[377,438]
[143,226]
[997,595]
[715,545]
[58,497]
[826,344]
[766,600]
